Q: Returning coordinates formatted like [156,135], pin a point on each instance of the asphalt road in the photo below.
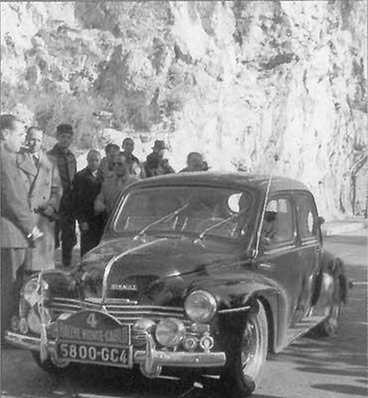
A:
[310,368]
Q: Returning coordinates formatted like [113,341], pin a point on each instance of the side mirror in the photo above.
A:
[320,221]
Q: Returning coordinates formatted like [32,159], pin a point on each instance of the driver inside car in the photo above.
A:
[269,228]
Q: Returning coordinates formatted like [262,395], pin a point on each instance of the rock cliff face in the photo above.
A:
[238,81]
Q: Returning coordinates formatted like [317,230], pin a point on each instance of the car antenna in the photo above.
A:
[259,232]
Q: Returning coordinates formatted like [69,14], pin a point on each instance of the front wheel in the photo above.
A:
[247,356]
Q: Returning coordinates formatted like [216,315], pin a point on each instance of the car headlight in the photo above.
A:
[200,306]
[34,321]
[31,293]
[170,332]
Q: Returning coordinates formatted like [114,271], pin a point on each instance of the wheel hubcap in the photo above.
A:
[249,346]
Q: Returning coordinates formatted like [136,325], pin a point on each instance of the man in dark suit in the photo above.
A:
[67,166]
[18,223]
[155,163]
[194,163]
[132,160]
[86,187]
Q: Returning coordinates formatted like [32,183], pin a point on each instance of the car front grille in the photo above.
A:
[124,313]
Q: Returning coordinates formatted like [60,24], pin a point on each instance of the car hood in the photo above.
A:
[157,270]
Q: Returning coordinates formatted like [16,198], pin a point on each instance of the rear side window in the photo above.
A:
[307,218]
[278,226]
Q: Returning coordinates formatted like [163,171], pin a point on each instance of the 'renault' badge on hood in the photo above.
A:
[132,287]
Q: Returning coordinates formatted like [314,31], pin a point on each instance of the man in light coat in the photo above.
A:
[114,185]
[44,197]
[106,165]
[18,222]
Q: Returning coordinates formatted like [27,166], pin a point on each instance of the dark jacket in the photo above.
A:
[67,166]
[86,187]
[130,160]
[17,219]
[155,166]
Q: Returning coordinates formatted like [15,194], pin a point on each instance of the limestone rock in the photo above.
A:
[238,81]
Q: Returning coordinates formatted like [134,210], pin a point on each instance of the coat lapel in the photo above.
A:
[26,164]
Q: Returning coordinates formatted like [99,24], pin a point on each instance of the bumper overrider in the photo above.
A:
[150,360]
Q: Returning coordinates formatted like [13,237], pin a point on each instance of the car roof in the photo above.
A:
[236,180]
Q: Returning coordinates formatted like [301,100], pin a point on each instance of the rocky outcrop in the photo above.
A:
[238,81]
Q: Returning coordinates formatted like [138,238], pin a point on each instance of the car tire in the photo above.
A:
[53,366]
[246,353]
[329,326]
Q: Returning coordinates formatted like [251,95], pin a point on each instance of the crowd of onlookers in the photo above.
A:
[44,198]
[89,194]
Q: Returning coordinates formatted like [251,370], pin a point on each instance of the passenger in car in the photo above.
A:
[269,229]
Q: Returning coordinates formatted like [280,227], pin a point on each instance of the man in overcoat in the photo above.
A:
[44,198]
[18,222]
[86,186]
[67,167]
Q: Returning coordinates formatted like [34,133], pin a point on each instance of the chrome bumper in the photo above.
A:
[150,360]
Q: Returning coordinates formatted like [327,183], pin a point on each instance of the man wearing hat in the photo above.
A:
[155,163]
[67,166]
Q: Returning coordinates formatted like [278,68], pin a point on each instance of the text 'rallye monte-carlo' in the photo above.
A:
[199,272]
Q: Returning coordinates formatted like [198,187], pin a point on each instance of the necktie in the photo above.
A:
[35,160]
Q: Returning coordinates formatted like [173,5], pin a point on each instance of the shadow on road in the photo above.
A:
[342,358]
[342,389]
[94,382]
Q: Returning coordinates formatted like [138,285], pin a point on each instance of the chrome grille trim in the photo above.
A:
[109,303]
[124,313]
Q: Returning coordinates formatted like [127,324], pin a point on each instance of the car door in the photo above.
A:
[279,258]
[309,251]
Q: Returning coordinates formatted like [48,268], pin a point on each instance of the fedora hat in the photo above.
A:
[159,144]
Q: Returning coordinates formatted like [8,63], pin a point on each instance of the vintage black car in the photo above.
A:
[204,272]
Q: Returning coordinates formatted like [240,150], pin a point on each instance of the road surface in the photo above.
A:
[309,368]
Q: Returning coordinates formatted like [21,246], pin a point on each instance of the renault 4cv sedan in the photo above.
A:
[198,272]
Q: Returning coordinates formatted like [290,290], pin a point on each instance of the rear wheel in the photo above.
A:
[247,356]
[328,327]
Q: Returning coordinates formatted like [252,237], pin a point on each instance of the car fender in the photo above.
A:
[332,267]
[239,302]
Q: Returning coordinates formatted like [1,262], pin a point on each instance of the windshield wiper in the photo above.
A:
[203,233]
[167,217]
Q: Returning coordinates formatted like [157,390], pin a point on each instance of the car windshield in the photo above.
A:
[155,209]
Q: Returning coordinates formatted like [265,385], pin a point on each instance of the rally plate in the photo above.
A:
[94,337]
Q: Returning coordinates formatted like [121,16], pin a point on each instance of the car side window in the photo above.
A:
[307,218]
[278,226]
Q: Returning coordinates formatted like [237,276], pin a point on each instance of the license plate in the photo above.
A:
[94,337]
[97,355]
